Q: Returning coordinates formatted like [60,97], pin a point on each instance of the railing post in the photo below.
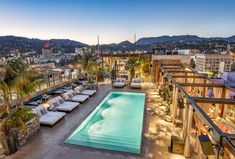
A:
[188,134]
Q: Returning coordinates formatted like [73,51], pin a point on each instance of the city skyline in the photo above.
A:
[115,21]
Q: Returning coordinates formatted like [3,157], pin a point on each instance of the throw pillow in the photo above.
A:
[70,95]
[61,101]
[39,113]
[43,111]
[55,104]
[74,93]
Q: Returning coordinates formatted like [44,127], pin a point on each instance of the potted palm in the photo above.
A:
[12,123]
[14,118]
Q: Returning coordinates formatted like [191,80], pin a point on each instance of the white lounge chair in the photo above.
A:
[120,82]
[47,117]
[72,95]
[82,90]
[60,104]
[136,83]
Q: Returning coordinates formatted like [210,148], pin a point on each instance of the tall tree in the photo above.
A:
[18,77]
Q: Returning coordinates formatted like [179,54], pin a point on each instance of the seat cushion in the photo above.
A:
[48,120]
[136,85]
[116,84]
[67,106]
[89,92]
[80,98]
[58,114]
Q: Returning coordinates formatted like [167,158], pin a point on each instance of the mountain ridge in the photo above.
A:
[178,38]
[21,44]
[10,43]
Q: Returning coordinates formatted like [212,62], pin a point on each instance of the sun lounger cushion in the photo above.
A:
[89,92]
[48,120]
[80,98]
[66,106]
[58,114]
[136,83]
[116,84]
[72,95]
[47,117]
[120,82]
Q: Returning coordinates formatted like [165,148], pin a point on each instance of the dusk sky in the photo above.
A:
[116,20]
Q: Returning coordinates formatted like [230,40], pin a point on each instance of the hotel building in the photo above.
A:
[211,62]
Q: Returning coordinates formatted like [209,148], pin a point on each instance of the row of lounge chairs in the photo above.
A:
[121,82]
[55,109]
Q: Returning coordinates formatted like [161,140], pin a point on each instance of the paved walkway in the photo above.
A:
[48,143]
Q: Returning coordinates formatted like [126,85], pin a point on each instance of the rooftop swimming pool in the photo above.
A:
[115,124]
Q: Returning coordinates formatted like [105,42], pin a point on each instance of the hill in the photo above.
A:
[23,44]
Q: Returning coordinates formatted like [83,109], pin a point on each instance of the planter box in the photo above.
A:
[33,127]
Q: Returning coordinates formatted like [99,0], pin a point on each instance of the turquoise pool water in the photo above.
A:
[115,124]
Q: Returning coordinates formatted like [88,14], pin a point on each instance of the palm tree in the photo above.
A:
[5,93]
[136,63]
[21,79]
[12,123]
[89,62]
[16,77]
[91,69]
[132,63]
[88,55]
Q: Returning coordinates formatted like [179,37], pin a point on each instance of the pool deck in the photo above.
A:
[49,142]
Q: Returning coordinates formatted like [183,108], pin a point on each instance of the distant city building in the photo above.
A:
[81,50]
[212,62]
[49,57]
[46,50]
[228,48]
[45,65]
[164,51]
[188,52]
[229,76]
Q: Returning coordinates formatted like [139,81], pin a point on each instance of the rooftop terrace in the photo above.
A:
[49,142]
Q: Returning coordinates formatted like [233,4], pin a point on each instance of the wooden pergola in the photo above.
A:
[173,74]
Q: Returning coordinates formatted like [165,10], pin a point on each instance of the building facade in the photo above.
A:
[47,51]
[212,62]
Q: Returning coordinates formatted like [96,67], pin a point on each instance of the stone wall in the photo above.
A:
[33,127]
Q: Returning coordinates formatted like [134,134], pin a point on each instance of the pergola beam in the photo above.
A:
[188,77]
[213,100]
[201,85]
[181,71]
[229,144]
[124,55]
[201,112]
